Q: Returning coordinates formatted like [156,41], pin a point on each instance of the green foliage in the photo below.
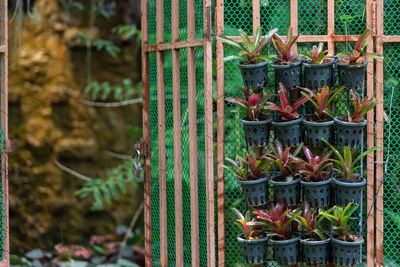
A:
[111,188]
[317,54]
[78,5]
[282,47]
[127,31]
[99,44]
[247,225]
[312,224]
[119,92]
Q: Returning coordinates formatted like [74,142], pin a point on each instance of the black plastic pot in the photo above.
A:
[352,77]
[286,252]
[254,75]
[315,252]
[345,253]
[315,131]
[290,76]
[289,133]
[347,191]
[253,251]
[349,133]
[317,194]
[256,132]
[318,75]
[255,192]
[288,192]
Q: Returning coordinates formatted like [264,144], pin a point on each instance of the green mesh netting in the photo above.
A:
[350,18]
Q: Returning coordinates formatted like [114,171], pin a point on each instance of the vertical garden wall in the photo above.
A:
[175,56]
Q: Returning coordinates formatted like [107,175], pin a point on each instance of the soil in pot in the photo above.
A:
[351,76]
[315,130]
[347,191]
[286,190]
[254,251]
[289,74]
[315,252]
[289,133]
[286,252]
[255,192]
[349,133]
[317,194]
[318,75]
[257,132]
[346,253]
[254,75]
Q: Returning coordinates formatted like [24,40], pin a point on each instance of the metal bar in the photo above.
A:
[194,180]
[161,136]
[176,94]
[331,26]
[370,144]
[4,125]
[379,135]
[219,29]
[256,15]
[315,38]
[208,106]
[146,135]
[294,22]
[176,45]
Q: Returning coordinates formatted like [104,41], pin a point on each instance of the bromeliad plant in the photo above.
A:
[345,166]
[248,167]
[252,107]
[322,100]
[283,47]
[286,162]
[339,217]
[317,55]
[249,51]
[277,219]
[288,111]
[315,168]
[312,224]
[251,229]
[357,57]
[360,107]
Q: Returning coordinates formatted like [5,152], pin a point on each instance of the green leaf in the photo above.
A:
[98,202]
[121,183]
[106,193]
[113,190]
[230,42]
[233,57]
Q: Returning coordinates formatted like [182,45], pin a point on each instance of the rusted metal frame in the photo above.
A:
[4,125]
[294,21]
[379,134]
[146,135]
[161,136]
[219,29]
[176,96]
[331,26]
[370,144]
[208,118]
[192,111]
[256,15]
[314,38]
[174,45]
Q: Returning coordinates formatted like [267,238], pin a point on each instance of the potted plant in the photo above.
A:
[287,183]
[256,123]
[348,182]
[284,241]
[315,242]
[320,124]
[252,239]
[252,176]
[287,125]
[319,68]
[287,65]
[350,128]
[316,178]
[252,64]
[351,68]
[346,246]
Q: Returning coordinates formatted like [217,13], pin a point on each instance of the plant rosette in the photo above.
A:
[347,191]
[315,252]
[286,191]
[286,252]
[349,133]
[254,75]
[315,130]
[345,253]
[254,251]
[257,132]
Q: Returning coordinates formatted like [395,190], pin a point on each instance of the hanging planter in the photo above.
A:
[286,252]
[317,194]
[288,192]
[255,192]
[346,253]
[347,191]
[254,75]
[257,132]
[349,133]
[253,251]
[314,131]
[315,252]
[289,133]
